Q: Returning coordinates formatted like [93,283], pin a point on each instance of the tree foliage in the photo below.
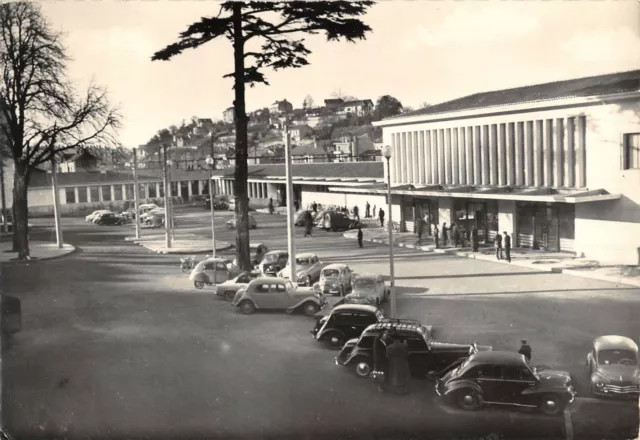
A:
[387,106]
[266,35]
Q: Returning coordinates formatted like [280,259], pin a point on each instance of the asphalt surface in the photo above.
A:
[116,343]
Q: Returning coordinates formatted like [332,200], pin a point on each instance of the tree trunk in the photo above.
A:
[20,211]
[241,172]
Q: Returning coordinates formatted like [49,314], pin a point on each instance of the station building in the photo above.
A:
[556,165]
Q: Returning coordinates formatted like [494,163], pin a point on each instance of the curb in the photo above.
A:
[187,252]
[578,273]
[55,257]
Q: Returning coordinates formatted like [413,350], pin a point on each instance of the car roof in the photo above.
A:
[368,275]
[215,260]
[255,244]
[335,266]
[306,255]
[497,357]
[355,308]
[269,280]
[397,326]
[276,252]
[612,342]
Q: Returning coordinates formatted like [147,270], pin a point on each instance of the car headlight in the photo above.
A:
[599,384]
[334,285]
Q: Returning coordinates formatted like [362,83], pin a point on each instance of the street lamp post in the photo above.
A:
[386,153]
[210,161]
[167,187]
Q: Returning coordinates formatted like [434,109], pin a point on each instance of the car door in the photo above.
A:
[517,379]
[222,273]
[421,360]
[361,321]
[489,377]
[209,271]
[281,297]
[261,294]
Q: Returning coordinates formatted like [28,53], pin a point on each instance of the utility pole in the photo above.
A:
[56,202]
[136,199]
[211,201]
[165,178]
[293,273]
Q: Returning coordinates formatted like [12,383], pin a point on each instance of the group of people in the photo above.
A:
[454,235]
[499,242]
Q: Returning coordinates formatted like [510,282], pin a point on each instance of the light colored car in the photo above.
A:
[229,288]
[613,367]
[335,279]
[145,216]
[95,215]
[308,268]
[212,271]
[367,289]
[232,223]
[268,293]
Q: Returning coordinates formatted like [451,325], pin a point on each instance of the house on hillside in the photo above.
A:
[308,154]
[280,107]
[359,108]
[350,142]
[333,104]
[229,115]
[298,132]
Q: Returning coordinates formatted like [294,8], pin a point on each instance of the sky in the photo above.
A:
[419,51]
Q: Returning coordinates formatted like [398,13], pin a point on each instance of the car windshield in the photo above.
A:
[331,273]
[271,258]
[364,283]
[612,357]
[303,261]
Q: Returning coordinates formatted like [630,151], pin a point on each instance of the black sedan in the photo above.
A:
[110,220]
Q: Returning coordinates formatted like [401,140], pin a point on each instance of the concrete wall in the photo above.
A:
[507,217]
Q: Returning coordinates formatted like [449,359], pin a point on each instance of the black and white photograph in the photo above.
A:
[320,220]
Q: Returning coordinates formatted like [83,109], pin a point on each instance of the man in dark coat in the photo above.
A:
[296,205]
[507,246]
[436,236]
[271,208]
[381,217]
[498,245]
[308,225]
[525,350]
[367,210]
[445,233]
[398,367]
[359,236]
[419,226]
[380,362]
[455,235]
[315,207]
[474,239]
[356,212]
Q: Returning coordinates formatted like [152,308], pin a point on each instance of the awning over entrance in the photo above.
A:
[544,195]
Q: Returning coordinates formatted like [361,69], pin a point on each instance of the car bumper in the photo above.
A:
[617,392]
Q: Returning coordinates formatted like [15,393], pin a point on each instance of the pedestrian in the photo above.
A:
[398,367]
[359,236]
[315,207]
[296,205]
[419,229]
[271,208]
[474,238]
[356,212]
[373,213]
[525,349]
[381,217]
[445,233]
[308,225]
[380,361]
[455,234]
[367,210]
[498,245]
[436,236]
[507,246]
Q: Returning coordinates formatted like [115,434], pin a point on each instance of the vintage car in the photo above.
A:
[268,293]
[335,279]
[308,268]
[346,321]
[146,218]
[302,217]
[231,224]
[613,367]
[367,289]
[505,378]
[318,220]
[212,271]
[144,210]
[273,262]
[334,221]
[95,215]
[109,219]
[426,356]
[257,251]
[229,288]
[218,203]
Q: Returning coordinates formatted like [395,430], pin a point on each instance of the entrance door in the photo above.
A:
[525,222]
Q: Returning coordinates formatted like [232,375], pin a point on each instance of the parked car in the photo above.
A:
[505,378]
[308,268]
[232,204]
[145,208]
[109,219]
[231,224]
[268,293]
[334,221]
[426,356]
[257,251]
[212,271]
[613,367]
[273,262]
[367,289]
[335,279]
[146,217]
[229,288]
[345,322]
[218,203]
[95,214]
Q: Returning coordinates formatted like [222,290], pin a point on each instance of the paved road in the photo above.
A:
[116,343]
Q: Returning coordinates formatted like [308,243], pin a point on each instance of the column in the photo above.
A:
[462,167]
[441,157]
[124,192]
[415,161]
[519,153]
[484,147]
[510,156]
[189,189]
[89,198]
[455,164]
[581,153]
[434,157]
[528,153]
[538,147]
[157,189]
[477,155]
[469,155]
[428,163]
[507,218]
[493,154]
[502,154]
[558,172]
[113,192]
[447,155]
[404,163]
[394,170]
[421,159]
[570,153]
[408,155]
[548,152]
[76,194]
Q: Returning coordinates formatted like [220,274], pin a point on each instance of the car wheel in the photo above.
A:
[247,307]
[198,284]
[363,368]
[229,295]
[551,405]
[335,341]
[468,399]
[310,308]
[307,281]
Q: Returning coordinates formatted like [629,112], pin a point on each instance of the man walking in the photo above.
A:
[436,236]
[455,235]
[296,205]
[315,207]
[474,238]
[445,234]
[419,229]
[271,208]
[507,246]
[381,217]
[359,236]
[308,225]
[356,212]
[398,367]
[525,349]
[498,245]
[367,210]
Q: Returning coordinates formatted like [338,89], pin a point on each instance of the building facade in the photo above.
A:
[360,107]
[280,107]
[229,115]
[556,165]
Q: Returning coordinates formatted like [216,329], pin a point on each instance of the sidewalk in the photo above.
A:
[39,250]
[557,262]
[184,243]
